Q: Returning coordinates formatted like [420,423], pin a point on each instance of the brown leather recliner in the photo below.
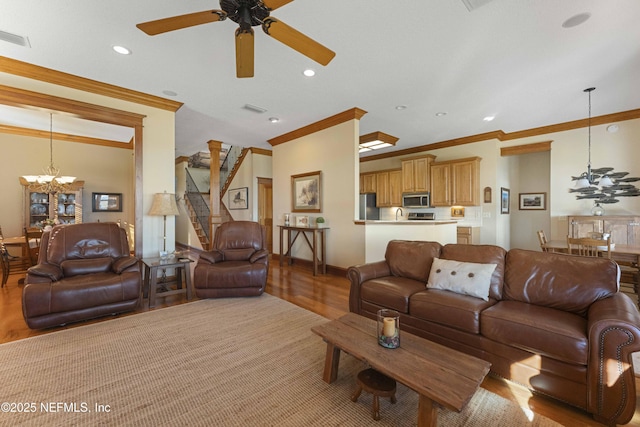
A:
[83,271]
[237,265]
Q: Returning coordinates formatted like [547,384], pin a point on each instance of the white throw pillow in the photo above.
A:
[466,278]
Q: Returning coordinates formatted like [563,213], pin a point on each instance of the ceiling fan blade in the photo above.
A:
[297,41]
[274,4]
[244,53]
[183,21]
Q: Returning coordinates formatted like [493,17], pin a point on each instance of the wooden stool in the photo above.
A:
[378,385]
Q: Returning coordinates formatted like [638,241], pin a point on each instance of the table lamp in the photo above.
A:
[164,204]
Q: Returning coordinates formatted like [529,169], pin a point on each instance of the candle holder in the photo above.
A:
[388,328]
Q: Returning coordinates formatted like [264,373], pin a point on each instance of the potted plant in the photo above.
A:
[319,222]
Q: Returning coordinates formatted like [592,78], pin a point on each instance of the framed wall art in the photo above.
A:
[239,198]
[505,200]
[532,201]
[306,192]
[106,202]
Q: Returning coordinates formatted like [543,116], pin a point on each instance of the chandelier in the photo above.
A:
[603,185]
[51,182]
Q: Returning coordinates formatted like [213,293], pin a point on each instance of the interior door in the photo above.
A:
[265,208]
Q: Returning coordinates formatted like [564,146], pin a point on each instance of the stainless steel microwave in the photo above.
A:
[415,200]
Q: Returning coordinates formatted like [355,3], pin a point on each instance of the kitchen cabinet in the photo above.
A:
[389,188]
[468,235]
[624,230]
[65,207]
[416,174]
[455,182]
[368,182]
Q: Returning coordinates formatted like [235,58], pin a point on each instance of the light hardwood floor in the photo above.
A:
[327,295]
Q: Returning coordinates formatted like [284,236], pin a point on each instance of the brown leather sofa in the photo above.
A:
[237,265]
[83,271]
[552,322]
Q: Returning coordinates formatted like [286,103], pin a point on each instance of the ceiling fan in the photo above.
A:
[247,13]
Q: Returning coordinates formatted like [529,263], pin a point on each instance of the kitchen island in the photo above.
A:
[379,232]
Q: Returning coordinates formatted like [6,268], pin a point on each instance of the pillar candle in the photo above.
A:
[389,327]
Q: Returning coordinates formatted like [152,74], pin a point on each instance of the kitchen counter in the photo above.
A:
[379,232]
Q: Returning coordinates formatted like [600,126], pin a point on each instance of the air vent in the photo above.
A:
[15,39]
[474,4]
[254,108]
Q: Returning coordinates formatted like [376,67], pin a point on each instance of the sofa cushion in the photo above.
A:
[390,292]
[449,309]
[411,259]
[482,254]
[468,278]
[565,282]
[540,330]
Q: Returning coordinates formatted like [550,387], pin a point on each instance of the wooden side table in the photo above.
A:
[181,265]
[317,237]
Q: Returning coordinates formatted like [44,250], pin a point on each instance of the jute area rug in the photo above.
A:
[225,362]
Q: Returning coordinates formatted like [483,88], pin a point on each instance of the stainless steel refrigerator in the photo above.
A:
[368,209]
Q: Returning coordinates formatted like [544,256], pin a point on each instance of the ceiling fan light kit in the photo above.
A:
[247,14]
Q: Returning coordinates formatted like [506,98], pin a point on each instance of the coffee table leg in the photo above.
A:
[427,412]
[331,362]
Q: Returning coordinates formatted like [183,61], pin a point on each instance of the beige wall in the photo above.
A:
[334,152]
[158,153]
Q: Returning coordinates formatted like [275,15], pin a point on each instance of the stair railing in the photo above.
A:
[199,204]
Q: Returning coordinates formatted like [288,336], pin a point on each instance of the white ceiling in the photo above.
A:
[507,58]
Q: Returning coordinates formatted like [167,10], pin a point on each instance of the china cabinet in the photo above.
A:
[65,207]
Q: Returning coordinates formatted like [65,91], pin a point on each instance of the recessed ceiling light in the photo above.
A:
[613,128]
[309,72]
[170,93]
[274,119]
[489,118]
[401,107]
[121,50]
[440,114]
[576,20]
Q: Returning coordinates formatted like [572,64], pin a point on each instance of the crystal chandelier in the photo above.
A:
[603,185]
[51,182]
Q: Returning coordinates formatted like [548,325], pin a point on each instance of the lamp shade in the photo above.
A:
[164,204]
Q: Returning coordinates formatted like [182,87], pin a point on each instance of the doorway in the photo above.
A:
[265,208]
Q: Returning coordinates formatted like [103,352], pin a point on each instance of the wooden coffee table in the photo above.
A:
[440,375]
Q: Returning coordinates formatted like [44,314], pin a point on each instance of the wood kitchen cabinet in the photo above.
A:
[368,183]
[416,174]
[468,235]
[389,188]
[455,182]
[624,230]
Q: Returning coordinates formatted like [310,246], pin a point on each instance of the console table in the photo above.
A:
[318,253]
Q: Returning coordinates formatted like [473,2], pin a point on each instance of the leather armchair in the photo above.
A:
[237,265]
[83,271]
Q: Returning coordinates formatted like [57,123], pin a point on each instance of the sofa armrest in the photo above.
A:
[259,256]
[359,274]
[211,257]
[125,263]
[614,333]
[48,271]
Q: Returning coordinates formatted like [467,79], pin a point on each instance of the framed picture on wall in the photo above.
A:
[106,202]
[532,201]
[239,198]
[306,192]
[505,200]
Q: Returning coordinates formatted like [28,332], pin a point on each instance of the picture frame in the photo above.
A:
[302,221]
[239,198]
[532,201]
[505,200]
[106,202]
[306,192]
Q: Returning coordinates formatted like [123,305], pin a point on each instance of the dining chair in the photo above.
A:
[33,236]
[589,247]
[542,238]
[4,262]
